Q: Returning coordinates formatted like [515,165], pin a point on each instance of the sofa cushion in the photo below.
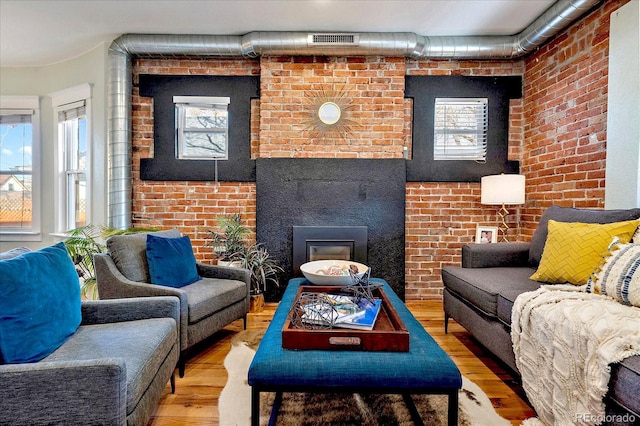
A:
[129,253]
[14,252]
[573,250]
[567,214]
[143,345]
[508,295]
[211,295]
[171,261]
[39,303]
[624,385]
[481,286]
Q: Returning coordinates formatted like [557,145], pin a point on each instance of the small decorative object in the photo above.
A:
[312,311]
[486,234]
[329,112]
[502,190]
[362,288]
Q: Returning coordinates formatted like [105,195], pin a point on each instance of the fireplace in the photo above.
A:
[328,242]
[322,195]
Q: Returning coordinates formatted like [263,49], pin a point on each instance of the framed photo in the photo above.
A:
[486,234]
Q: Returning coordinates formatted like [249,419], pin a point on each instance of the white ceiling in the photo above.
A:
[43,32]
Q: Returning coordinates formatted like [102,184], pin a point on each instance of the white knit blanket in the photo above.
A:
[564,340]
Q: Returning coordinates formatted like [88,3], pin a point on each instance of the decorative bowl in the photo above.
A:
[316,272]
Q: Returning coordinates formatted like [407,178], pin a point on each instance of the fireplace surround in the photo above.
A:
[328,242]
[333,193]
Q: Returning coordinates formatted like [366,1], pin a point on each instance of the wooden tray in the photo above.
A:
[388,335]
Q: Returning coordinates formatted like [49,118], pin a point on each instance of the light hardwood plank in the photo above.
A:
[195,402]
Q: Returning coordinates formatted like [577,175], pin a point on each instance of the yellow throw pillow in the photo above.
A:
[573,250]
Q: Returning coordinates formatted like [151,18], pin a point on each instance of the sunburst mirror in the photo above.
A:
[329,113]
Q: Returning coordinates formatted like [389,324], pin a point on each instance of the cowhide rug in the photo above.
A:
[331,409]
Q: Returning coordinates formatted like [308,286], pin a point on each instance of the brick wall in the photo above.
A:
[191,207]
[442,217]
[372,89]
[557,131]
[565,125]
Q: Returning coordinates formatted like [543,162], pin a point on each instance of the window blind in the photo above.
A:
[460,129]
[72,111]
[15,116]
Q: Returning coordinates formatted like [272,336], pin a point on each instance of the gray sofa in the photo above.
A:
[480,294]
[111,371]
[206,306]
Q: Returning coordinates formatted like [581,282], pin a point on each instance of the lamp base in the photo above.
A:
[504,228]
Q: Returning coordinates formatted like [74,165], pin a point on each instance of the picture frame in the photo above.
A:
[486,234]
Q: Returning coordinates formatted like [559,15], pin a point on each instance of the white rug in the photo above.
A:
[235,400]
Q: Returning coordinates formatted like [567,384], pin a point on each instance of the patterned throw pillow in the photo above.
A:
[618,276]
[573,250]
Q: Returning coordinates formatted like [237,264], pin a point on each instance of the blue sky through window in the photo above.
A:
[15,147]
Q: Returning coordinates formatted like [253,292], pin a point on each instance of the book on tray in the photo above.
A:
[342,311]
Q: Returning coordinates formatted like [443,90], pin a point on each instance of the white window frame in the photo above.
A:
[444,129]
[67,100]
[27,105]
[204,102]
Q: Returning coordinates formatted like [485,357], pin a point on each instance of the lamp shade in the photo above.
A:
[502,189]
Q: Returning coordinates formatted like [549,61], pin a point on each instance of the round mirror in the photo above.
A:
[329,113]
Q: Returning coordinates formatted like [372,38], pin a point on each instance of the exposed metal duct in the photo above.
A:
[558,17]
[119,139]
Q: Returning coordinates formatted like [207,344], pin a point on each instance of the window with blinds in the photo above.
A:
[202,127]
[460,129]
[17,142]
[72,137]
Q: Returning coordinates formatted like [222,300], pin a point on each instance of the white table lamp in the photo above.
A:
[502,190]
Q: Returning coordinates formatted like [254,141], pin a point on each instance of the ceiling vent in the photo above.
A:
[333,39]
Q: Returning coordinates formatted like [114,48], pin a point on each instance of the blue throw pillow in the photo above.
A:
[171,261]
[39,304]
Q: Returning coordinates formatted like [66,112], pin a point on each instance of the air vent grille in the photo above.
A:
[335,39]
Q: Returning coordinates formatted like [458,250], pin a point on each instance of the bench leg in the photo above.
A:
[274,410]
[255,407]
[453,409]
[411,406]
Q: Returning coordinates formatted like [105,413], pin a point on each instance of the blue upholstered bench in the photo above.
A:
[425,369]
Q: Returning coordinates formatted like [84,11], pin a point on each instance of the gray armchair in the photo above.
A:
[206,306]
[111,371]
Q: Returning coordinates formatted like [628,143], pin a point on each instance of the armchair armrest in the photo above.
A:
[223,272]
[119,310]
[70,393]
[113,285]
[495,255]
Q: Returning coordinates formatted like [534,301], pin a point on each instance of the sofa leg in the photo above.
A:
[181,365]
[446,324]
[173,382]
[244,319]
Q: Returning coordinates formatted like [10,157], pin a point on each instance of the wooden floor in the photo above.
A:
[196,399]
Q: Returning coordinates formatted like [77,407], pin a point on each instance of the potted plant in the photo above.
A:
[229,243]
[82,243]
[264,269]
